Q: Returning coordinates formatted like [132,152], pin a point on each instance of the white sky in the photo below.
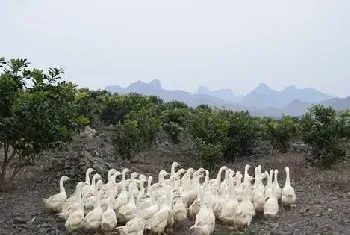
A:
[184,43]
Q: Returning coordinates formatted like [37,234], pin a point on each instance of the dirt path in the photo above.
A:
[322,207]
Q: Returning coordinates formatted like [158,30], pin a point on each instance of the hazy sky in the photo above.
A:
[184,43]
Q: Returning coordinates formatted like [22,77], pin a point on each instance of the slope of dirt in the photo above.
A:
[322,206]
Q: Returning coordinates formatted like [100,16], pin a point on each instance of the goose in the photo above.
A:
[276,187]
[269,185]
[245,211]
[105,187]
[122,198]
[93,219]
[73,198]
[159,188]
[271,206]
[149,183]
[205,219]
[76,218]
[160,218]
[258,193]
[74,202]
[224,184]
[191,195]
[91,189]
[238,190]
[111,192]
[55,202]
[109,217]
[180,210]
[90,202]
[145,202]
[216,182]
[120,184]
[229,210]
[136,225]
[173,167]
[148,213]
[195,206]
[127,211]
[87,179]
[133,189]
[246,178]
[288,193]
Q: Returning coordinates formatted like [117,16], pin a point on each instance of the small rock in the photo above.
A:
[330,209]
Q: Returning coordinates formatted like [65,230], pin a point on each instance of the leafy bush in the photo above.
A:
[37,111]
[322,130]
[90,103]
[209,154]
[117,107]
[137,132]
[241,135]
[281,132]
[174,121]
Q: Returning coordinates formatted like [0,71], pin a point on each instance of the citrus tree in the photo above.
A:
[137,132]
[281,132]
[322,130]
[37,111]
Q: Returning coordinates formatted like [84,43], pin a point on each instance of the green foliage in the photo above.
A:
[174,120]
[281,132]
[322,129]
[137,132]
[117,107]
[208,154]
[90,103]
[37,111]
[235,132]
[241,135]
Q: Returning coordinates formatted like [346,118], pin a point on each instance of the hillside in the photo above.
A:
[262,101]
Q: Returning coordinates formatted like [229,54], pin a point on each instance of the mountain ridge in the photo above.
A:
[261,101]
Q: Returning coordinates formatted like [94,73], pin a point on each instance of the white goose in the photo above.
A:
[55,202]
[288,193]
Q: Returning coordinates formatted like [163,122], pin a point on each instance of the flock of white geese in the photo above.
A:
[234,200]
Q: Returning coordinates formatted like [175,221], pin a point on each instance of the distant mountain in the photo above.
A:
[154,88]
[262,101]
[225,94]
[296,108]
[339,104]
[263,96]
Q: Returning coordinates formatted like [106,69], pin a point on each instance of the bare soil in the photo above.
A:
[322,206]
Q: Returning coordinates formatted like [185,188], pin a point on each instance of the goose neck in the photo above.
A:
[87,178]
[276,181]
[287,177]
[218,177]
[62,190]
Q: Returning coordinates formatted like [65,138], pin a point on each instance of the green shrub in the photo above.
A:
[322,130]
[241,135]
[137,132]
[117,107]
[174,121]
[37,111]
[209,154]
[281,132]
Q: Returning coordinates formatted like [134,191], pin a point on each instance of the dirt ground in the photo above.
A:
[322,206]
